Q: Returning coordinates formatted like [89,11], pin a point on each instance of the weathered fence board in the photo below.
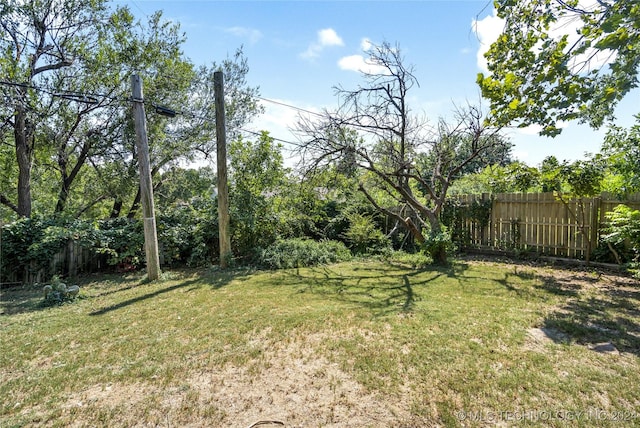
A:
[540,222]
[70,261]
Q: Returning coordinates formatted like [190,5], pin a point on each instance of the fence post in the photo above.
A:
[595,224]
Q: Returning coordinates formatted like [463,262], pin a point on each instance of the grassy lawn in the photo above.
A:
[358,344]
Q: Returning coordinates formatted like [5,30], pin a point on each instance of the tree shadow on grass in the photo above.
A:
[383,289]
[24,298]
[217,278]
[597,313]
[598,310]
[611,316]
[143,297]
[29,298]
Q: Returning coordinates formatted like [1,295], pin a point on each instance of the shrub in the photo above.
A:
[364,237]
[122,240]
[623,231]
[29,245]
[297,252]
[439,246]
[57,292]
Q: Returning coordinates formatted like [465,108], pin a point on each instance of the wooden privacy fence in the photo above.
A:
[73,259]
[534,222]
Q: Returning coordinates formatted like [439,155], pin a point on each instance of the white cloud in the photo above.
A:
[490,27]
[326,38]
[361,64]
[487,29]
[249,33]
[365,44]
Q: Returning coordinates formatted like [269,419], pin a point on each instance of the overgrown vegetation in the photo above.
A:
[298,252]
[622,236]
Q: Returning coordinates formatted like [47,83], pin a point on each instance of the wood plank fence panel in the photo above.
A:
[541,223]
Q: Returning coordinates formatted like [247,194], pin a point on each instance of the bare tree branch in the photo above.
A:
[375,131]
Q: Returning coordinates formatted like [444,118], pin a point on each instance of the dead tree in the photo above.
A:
[396,151]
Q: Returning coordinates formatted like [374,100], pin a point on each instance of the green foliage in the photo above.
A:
[538,78]
[30,244]
[122,240]
[463,150]
[455,213]
[364,237]
[297,252]
[187,233]
[514,177]
[621,148]
[418,260]
[257,178]
[439,246]
[319,206]
[623,231]
[550,171]
[522,177]
[187,219]
[584,177]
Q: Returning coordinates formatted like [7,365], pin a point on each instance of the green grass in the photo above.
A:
[426,345]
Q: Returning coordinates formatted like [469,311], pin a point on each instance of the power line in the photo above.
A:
[290,106]
[165,111]
[273,138]
[92,98]
[81,97]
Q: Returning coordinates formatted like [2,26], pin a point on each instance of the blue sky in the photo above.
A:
[299,50]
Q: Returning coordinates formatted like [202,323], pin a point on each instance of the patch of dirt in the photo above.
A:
[287,384]
[538,338]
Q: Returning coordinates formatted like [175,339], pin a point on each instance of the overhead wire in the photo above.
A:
[82,97]
[93,98]
[290,106]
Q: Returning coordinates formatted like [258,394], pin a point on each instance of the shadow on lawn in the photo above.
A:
[29,298]
[597,309]
[383,290]
[599,315]
[141,298]
[215,278]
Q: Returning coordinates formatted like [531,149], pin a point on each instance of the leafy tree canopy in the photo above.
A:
[559,60]
[622,149]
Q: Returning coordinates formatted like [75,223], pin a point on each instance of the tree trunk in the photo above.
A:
[117,207]
[135,206]
[62,197]
[24,154]
[69,178]
[438,245]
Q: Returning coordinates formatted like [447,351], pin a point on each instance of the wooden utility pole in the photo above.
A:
[146,186]
[223,190]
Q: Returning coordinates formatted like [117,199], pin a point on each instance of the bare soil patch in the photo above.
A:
[288,385]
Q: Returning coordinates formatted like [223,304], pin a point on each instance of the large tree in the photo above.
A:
[68,116]
[67,66]
[559,60]
[39,38]
[377,135]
